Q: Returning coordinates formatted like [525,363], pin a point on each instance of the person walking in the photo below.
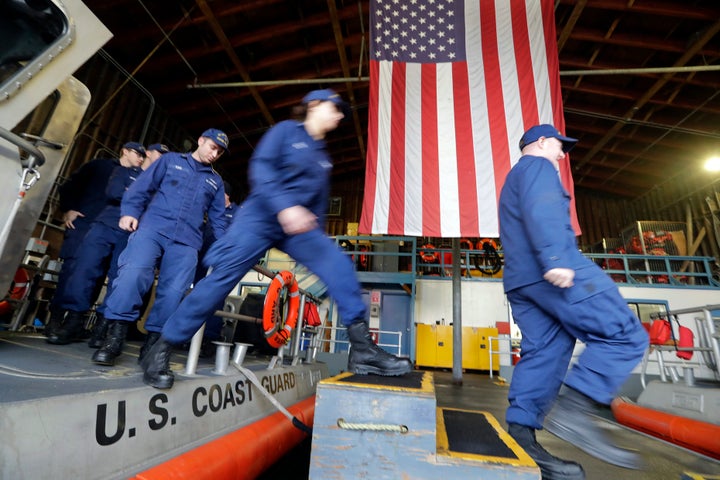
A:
[558,296]
[165,209]
[82,198]
[289,176]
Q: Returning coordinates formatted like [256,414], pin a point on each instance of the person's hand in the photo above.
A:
[128,223]
[69,217]
[560,277]
[297,219]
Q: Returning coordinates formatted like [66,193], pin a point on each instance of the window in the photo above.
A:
[32,34]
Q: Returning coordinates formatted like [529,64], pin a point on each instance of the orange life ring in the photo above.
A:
[481,243]
[429,257]
[18,290]
[466,244]
[488,261]
[277,332]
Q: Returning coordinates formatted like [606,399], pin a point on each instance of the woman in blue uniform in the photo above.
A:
[559,296]
[289,175]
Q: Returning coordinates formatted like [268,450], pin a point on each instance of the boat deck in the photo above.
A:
[62,416]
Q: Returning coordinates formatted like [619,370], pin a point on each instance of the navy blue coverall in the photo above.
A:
[288,168]
[101,247]
[537,236]
[83,191]
[170,199]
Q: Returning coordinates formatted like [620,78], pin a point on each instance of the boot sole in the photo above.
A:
[621,458]
[163,384]
[367,370]
[107,363]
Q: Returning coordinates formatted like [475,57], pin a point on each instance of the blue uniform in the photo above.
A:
[83,191]
[288,168]
[537,236]
[101,247]
[171,200]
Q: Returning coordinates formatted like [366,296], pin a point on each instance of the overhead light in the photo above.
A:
[712,164]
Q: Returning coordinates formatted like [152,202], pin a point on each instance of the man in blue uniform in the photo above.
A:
[559,296]
[82,198]
[289,175]
[154,151]
[165,208]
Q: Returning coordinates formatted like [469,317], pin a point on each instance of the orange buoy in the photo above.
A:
[429,257]
[277,332]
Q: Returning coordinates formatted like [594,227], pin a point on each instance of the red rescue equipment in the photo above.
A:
[429,257]
[18,290]
[277,332]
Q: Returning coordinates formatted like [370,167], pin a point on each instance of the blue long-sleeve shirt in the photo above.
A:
[172,197]
[84,190]
[535,229]
[120,180]
[290,168]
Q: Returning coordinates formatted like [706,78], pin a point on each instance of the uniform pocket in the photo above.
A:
[588,282]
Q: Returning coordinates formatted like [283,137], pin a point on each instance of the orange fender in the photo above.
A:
[695,435]
[240,455]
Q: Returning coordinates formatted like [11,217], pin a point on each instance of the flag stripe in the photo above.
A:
[369,216]
[467,201]
[496,101]
[396,220]
[430,167]
[413,148]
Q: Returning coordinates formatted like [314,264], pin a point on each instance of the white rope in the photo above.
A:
[375,427]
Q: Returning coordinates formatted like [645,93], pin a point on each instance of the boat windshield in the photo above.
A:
[32,33]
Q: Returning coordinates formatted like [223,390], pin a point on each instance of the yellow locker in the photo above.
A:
[434,347]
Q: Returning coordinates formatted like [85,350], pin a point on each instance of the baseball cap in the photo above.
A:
[160,147]
[138,147]
[547,131]
[328,95]
[217,136]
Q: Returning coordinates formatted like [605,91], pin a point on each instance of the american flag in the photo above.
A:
[453,86]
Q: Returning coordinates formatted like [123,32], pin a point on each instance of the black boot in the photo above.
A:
[99,332]
[552,468]
[70,331]
[113,345]
[156,365]
[150,339]
[55,323]
[573,419]
[366,357]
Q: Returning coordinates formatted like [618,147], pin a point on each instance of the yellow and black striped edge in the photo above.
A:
[698,476]
[443,445]
[420,382]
